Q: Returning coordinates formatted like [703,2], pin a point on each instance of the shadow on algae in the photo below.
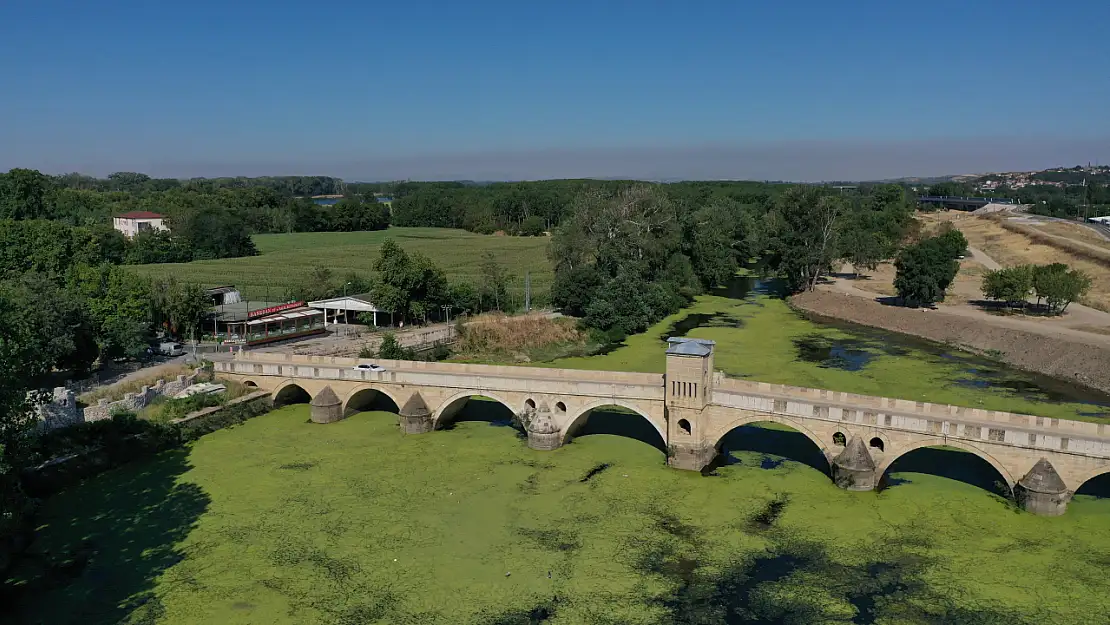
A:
[886,587]
[122,535]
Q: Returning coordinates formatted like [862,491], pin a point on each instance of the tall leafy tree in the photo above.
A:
[804,235]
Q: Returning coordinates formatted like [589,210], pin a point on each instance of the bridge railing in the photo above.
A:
[903,408]
[626,377]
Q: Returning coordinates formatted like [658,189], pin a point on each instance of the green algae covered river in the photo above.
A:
[283,521]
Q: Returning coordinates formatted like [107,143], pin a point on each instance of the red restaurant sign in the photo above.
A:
[262,312]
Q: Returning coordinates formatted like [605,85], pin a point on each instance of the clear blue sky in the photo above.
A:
[438,88]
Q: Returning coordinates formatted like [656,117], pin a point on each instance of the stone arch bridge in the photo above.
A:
[692,407]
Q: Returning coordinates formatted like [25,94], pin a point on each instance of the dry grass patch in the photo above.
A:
[1076,232]
[522,338]
[1010,244]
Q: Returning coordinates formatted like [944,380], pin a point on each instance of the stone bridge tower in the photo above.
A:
[688,389]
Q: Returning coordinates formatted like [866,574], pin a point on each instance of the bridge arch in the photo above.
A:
[363,395]
[900,452]
[573,425]
[287,392]
[450,406]
[721,432]
[1087,477]
[822,446]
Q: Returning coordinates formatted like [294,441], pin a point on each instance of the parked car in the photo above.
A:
[171,349]
[368,367]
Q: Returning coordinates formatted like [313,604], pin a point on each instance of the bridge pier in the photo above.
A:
[415,418]
[1042,491]
[543,434]
[325,407]
[690,456]
[853,468]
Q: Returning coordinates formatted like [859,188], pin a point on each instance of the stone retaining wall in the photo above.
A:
[62,410]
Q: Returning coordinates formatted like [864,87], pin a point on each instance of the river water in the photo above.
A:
[283,521]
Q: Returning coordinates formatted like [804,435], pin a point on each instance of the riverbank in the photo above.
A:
[1073,360]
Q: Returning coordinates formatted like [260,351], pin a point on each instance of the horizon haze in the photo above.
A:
[800,91]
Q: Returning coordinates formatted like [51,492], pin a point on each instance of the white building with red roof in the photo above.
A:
[135,222]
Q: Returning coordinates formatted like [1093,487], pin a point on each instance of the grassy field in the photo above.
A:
[761,338]
[284,521]
[284,258]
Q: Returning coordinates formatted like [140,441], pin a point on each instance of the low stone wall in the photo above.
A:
[62,410]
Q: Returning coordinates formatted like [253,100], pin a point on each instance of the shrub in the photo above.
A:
[1011,285]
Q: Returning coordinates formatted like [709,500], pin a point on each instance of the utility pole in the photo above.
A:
[527,291]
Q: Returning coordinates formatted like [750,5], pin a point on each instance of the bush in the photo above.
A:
[926,269]
[1011,285]
[533,226]
[1058,286]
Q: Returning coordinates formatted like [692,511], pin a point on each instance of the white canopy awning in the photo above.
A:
[285,316]
[350,302]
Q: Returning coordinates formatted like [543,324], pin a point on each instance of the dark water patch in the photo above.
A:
[766,517]
[771,462]
[618,423]
[551,539]
[535,615]
[954,465]
[980,375]
[738,287]
[829,353]
[774,443]
[674,526]
[974,371]
[683,326]
[594,471]
[298,466]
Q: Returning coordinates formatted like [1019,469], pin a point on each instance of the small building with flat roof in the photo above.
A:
[134,222]
[257,323]
[346,309]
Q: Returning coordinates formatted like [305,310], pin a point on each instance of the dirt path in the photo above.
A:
[1080,322]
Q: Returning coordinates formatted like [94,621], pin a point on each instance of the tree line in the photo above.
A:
[411,286]
[626,258]
[207,218]
[1043,199]
[1056,285]
[532,208]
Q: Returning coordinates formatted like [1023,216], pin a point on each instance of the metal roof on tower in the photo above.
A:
[683,346]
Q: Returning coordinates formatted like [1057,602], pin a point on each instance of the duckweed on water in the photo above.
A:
[283,521]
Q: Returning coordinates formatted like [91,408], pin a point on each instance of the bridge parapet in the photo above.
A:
[892,406]
[451,367]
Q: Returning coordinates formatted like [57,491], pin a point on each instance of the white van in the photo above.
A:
[171,349]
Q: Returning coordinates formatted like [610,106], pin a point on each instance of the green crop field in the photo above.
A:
[285,258]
